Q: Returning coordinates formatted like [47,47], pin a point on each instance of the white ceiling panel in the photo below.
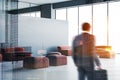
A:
[43,1]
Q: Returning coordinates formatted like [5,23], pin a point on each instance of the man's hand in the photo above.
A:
[99,67]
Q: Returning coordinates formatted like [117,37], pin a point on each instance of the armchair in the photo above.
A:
[65,50]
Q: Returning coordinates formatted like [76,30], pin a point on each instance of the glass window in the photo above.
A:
[32,14]
[100,23]
[85,15]
[25,14]
[61,14]
[105,25]
[38,14]
[72,17]
[114,24]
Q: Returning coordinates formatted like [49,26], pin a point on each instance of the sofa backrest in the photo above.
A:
[53,53]
[64,48]
[9,50]
[19,49]
[4,50]
[104,47]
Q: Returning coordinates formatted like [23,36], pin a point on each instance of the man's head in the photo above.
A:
[86,26]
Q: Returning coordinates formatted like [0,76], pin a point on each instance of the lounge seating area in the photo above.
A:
[51,59]
[32,62]
[35,62]
[55,58]
[36,38]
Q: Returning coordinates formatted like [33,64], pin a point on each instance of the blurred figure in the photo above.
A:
[84,54]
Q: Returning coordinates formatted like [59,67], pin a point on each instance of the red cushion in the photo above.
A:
[7,50]
[19,49]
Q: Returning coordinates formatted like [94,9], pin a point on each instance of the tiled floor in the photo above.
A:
[15,71]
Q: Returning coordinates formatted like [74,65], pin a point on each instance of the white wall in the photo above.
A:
[41,33]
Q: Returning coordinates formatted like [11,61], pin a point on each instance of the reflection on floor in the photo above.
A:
[15,71]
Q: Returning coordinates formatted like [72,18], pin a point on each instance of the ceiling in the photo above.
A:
[43,1]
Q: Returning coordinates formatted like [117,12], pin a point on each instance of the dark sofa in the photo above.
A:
[14,54]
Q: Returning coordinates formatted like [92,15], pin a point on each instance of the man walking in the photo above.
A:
[84,54]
